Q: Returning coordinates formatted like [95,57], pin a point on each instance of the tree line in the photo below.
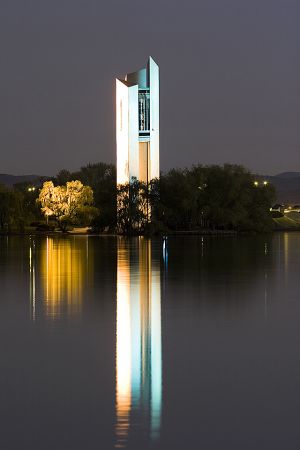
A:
[202,197]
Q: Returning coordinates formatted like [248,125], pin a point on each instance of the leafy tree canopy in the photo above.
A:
[67,203]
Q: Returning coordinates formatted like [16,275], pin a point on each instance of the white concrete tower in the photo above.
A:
[137,125]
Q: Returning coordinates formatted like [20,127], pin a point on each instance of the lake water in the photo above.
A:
[189,343]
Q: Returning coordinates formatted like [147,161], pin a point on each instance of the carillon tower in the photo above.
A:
[137,125]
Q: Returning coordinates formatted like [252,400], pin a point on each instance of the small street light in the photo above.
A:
[263,183]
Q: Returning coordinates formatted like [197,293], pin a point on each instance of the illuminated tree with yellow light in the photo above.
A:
[67,204]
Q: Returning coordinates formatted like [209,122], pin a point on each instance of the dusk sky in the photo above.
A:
[230,81]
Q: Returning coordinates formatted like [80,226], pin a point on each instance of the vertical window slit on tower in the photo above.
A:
[144,111]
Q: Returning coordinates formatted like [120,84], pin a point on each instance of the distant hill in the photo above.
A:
[10,180]
[287,186]
[288,175]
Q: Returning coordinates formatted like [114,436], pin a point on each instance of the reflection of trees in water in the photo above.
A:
[59,268]
[138,346]
[14,268]
[224,271]
[13,254]
[104,262]
[62,272]
[67,272]
[217,270]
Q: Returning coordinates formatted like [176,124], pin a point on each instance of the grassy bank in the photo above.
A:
[289,222]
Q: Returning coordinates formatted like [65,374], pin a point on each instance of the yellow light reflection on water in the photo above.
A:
[138,350]
[32,285]
[62,274]
[123,366]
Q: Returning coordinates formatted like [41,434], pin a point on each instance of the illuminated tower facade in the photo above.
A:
[137,125]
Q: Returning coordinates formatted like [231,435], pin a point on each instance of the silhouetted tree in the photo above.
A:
[222,197]
[132,207]
[11,210]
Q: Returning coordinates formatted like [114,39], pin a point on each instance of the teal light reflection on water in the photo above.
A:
[139,350]
[156,355]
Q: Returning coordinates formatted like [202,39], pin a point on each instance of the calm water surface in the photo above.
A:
[142,344]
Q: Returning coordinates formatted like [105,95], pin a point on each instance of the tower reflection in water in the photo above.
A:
[138,349]
[62,266]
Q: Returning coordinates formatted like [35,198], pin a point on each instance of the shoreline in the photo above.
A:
[225,233]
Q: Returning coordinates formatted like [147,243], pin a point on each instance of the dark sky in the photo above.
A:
[230,80]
